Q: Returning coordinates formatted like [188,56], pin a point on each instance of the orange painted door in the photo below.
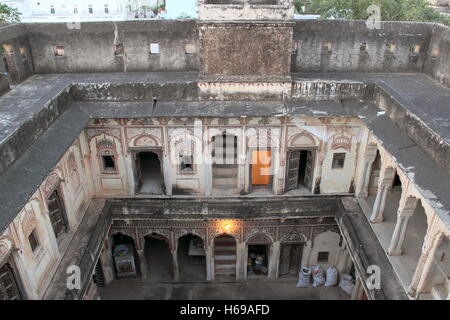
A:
[261,166]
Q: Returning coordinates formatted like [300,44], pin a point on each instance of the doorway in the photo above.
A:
[149,173]
[258,260]
[159,258]
[191,258]
[9,288]
[125,256]
[57,213]
[225,166]
[290,259]
[224,258]
[261,170]
[300,170]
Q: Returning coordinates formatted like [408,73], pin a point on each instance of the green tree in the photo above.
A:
[8,14]
[391,10]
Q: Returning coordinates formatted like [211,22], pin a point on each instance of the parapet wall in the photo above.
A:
[332,45]
[155,45]
[175,45]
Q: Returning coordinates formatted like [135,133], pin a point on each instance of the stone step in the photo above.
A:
[225,183]
[224,267]
[228,191]
[224,257]
[224,251]
[224,172]
[439,292]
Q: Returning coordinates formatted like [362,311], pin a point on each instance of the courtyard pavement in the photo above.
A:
[132,289]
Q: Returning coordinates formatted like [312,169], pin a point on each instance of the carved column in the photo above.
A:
[241,262]
[306,253]
[142,264]
[405,212]
[424,267]
[209,263]
[357,290]
[369,159]
[176,269]
[395,248]
[380,202]
[274,260]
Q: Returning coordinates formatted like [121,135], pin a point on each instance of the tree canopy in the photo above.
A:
[391,10]
[8,14]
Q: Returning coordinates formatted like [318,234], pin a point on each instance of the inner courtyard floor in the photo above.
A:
[134,289]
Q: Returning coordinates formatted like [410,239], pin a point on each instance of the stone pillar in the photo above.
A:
[424,267]
[274,260]
[395,248]
[209,263]
[366,178]
[241,262]
[176,269]
[356,293]
[306,253]
[380,202]
[142,264]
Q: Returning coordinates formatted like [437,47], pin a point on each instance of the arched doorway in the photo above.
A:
[413,242]
[224,258]
[149,173]
[291,251]
[224,164]
[125,256]
[57,213]
[191,258]
[258,254]
[9,286]
[159,258]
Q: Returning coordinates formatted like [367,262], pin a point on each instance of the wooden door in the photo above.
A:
[138,172]
[261,160]
[292,171]
[309,169]
[56,213]
[290,259]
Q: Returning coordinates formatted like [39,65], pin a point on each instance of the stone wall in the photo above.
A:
[437,63]
[114,46]
[327,45]
[15,54]
[246,49]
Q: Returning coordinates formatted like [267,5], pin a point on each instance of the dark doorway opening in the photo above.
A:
[191,258]
[397,183]
[300,170]
[125,256]
[57,214]
[290,259]
[150,179]
[159,258]
[258,260]
[9,288]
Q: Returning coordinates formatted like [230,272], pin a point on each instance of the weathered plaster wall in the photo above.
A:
[91,48]
[236,49]
[71,176]
[222,10]
[332,45]
[15,54]
[437,62]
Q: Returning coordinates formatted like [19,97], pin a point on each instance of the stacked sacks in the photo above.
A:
[318,277]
